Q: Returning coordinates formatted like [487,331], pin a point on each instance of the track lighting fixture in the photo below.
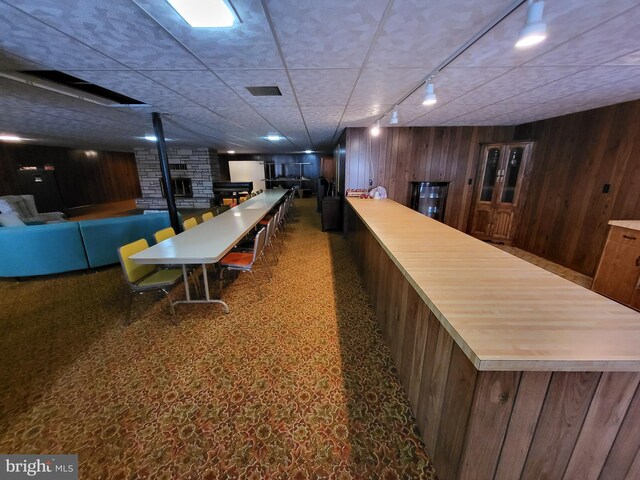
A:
[535,30]
[375,129]
[429,93]
[394,116]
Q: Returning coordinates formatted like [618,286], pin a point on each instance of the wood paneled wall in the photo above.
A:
[83,179]
[480,425]
[402,155]
[566,212]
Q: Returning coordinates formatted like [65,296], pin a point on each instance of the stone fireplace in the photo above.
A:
[192,171]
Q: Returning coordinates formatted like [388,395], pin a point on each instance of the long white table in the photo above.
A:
[210,241]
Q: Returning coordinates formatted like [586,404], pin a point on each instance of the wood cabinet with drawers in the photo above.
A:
[618,273]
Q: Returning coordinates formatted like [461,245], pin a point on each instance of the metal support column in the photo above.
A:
[166,173]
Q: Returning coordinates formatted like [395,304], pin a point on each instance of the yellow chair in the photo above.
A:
[163,234]
[228,201]
[207,216]
[142,278]
[189,223]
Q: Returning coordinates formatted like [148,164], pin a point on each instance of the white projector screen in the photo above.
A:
[248,171]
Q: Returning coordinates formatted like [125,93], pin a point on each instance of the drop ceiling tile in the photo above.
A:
[452,82]
[327,34]
[607,41]
[248,44]
[565,20]
[362,115]
[115,29]
[324,86]
[410,24]
[385,86]
[516,81]
[587,82]
[39,43]
[322,116]
[238,80]
[632,58]
[200,86]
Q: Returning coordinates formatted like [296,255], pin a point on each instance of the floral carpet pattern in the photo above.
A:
[295,384]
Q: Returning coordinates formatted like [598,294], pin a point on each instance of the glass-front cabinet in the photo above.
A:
[499,186]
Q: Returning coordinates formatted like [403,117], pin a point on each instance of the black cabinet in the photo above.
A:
[331,213]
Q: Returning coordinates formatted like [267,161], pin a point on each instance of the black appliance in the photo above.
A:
[430,198]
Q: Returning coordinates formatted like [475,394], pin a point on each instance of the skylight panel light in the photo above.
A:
[205,13]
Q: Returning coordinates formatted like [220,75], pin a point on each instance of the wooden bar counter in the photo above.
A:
[511,371]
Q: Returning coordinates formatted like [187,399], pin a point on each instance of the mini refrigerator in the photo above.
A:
[429,198]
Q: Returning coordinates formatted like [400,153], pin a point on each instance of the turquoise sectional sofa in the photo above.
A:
[63,247]
[41,249]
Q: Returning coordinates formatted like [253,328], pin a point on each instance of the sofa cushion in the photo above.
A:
[41,250]
[5,207]
[30,204]
[10,219]
[103,237]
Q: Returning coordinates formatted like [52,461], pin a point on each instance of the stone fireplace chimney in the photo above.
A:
[199,166]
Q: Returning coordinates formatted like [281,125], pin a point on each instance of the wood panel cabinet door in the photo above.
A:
[499,188]
[618,274]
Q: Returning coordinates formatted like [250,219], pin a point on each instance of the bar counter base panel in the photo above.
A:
[511,424]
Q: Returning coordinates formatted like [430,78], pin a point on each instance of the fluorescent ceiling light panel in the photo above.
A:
[150,138]
[10,138]
[205,13]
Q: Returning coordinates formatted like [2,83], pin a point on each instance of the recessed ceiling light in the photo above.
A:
[205,13]
[273,136]
[9,138]
[150,138]
[308,151]
[231,151]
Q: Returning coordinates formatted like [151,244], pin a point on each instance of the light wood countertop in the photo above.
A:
[503,312]
[631,224]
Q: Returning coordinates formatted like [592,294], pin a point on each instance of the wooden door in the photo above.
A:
[499,191]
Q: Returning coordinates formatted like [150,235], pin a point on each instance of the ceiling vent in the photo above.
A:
[71,86]
[265,91]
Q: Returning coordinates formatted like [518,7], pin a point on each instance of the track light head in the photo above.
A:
[429,94]
[375,129]
[394,117]
[535,30]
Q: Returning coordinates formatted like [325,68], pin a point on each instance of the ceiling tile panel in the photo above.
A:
[249,44]
[385,86]
[565,20]
[607,41]
[200,86]
[33,40]
[411,24]
[113,27]
[324,86]
[327,34]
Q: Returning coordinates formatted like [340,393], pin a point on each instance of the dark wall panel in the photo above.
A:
[566,211]
[402,155]
[84,178]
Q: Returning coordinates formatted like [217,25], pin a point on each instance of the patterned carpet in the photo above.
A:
[296,385]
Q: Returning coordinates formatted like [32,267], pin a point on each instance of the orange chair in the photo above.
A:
[244,261]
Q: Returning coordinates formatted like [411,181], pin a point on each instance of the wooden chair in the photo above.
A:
[143,278]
